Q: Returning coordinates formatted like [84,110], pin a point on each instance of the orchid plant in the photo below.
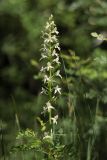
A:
[50,70]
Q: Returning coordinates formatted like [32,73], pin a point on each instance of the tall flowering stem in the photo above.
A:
[50,69]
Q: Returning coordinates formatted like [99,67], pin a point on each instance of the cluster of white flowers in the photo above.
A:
[50,70]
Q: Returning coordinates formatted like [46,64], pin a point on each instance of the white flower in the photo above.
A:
[57,46]
[42,69]
[47,40]
[57,90]
[55,31]
[56,60]
[58,74]
[54,119]
[47,25]
[49,66]
[43,56]
[50,18]
[52,23]
[54,53]
[44,48]
[46,78]
[43,91]
[54,38]
[49,106]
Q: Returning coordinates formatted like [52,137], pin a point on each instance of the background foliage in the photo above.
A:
[85,63]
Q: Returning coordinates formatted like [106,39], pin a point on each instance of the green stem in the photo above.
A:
[50,86]
[50,117]
[50,83]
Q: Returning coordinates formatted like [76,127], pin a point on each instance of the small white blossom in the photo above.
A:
[57,90]
[54,53]
[55,31]
[44,34]
[47,25]
[47,40]
[54,119]
[44,48]
[46,78]
[49,106]
[49,66]
[42,69]
[58,74]
[43,91]
[43,56]
[56,60]
[57,46]
[52,23]
[54,38]
[50,18]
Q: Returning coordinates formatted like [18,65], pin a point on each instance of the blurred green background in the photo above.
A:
[21,23]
